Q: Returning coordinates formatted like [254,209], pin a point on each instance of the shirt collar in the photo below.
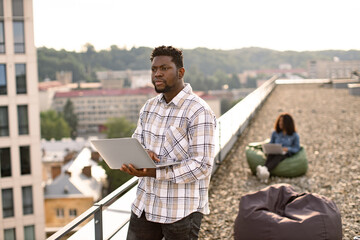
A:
[179,98]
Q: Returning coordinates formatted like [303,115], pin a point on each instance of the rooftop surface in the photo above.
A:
[328,122]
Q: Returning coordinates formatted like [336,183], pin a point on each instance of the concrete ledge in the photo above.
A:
[354,89]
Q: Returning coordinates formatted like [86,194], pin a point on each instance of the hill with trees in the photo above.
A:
[202,64]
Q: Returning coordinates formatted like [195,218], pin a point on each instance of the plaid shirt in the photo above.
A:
[181,130]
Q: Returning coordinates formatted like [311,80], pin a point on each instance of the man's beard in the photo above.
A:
[164,90]
[167,88]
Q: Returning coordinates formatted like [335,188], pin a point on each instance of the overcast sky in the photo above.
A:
[297,25]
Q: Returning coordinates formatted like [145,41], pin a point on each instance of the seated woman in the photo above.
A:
[286,135]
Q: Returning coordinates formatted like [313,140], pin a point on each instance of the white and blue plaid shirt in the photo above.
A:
[182,130]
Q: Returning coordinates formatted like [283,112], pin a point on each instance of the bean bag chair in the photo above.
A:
[279,213]
[293,166]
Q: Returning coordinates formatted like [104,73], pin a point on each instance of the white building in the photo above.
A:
[94,107]
[116,79]
[21,193]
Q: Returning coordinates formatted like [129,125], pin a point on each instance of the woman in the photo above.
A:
[286,135]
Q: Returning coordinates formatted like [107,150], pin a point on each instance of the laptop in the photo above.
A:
[273,148]
[119,151]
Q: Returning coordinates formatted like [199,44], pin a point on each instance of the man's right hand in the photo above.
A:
[153,156]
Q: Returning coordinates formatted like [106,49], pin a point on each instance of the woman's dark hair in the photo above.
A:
[289,124]
[176,54]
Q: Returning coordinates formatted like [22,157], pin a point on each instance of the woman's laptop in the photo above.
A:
[119,151]
[273,148]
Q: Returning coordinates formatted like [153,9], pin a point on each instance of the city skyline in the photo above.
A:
[280,25]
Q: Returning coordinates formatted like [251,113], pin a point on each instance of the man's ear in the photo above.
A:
[181,72]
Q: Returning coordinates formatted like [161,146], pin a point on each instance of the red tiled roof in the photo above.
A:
[104,92]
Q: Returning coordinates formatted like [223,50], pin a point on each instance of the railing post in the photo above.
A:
[98,223]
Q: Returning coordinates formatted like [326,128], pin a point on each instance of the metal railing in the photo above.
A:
[96,212]
[229,126]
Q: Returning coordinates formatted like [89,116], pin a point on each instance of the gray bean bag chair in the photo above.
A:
[279,213]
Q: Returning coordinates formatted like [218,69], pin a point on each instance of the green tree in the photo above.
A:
[115,177]
[53,125]
[119,127]
[70,117]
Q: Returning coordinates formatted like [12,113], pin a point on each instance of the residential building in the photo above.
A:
[94,107]
[129,78]
[21,193]
[74,188]
[333,69]
[47,90]
[57,153]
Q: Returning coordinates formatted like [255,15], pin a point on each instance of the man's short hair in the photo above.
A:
[175,53]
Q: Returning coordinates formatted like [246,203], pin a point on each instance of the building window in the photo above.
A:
[60,212]
[3,84]
[20,72]
[4,122]
[2,37]
[9,234]
[27,200]
[29,232]
[1,8]
[73,212]
[17,8]
[7,202]
[23,119]
[19,37]
[5,162]
[25,162]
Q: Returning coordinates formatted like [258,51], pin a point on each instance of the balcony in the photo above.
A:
[327,120]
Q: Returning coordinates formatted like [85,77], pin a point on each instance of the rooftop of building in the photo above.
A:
[327,120]
[328,124]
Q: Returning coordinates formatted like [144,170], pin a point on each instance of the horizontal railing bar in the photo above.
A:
[119,191]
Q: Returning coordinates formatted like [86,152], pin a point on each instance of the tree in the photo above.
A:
[53,126]
[70,117]
[119,127]
[115,177]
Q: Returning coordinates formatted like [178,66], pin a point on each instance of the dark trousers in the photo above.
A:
[184,229]
[273,160]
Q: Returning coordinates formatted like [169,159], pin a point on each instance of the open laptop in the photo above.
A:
[272,148]
[119,151]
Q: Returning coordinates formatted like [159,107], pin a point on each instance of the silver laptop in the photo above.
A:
[119,151]
[273,148]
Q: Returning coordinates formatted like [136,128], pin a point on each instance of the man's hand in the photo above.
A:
[144,172]
[153,156]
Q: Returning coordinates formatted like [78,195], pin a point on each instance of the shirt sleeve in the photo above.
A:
[201,151]
[295,146]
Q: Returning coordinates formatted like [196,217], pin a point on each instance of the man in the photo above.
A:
[178,126]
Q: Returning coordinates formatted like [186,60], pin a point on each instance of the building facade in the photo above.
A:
[333,69]
[94,107]
[21,193]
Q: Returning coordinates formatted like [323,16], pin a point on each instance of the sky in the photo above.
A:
[298,25]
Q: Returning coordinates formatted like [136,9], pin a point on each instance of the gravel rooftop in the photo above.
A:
[328,122]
